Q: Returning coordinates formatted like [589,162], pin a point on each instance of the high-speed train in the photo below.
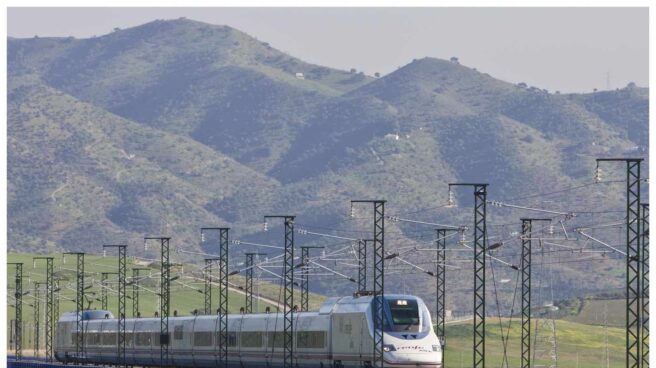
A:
[340,334]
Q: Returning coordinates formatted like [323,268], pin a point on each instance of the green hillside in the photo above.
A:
[176,124]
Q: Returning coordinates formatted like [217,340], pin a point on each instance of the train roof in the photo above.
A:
[352,304]
[335,305]
[87,315]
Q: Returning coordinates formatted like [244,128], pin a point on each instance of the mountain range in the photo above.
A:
[176,124]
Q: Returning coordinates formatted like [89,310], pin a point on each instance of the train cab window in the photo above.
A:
[203,338]
[178,332]
[109,338]
[404,315]
[310,339]
[251,339]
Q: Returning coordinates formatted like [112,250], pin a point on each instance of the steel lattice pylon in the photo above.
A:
[526,293]
[207,277]
[305,276]
[440,286]
[288,287]
[644,286]
[37,318]
[79,304]
[122,268]
[633,260]
[56,303]
[545,331]
[527,228]
[362,266]
[223,296]
[249,283]
[49,317]
[545,347]
[289,291]
[479,275]
[165,297]
[305,260]
[135,290]
[18,294]
[480,246]
[378,279]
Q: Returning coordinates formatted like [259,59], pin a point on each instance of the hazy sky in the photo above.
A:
[566,49]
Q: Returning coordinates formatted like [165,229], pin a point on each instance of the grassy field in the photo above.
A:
[186,292]
[578,345]
[580,341]
[593,311]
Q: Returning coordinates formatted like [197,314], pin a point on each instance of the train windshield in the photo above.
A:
[404,315]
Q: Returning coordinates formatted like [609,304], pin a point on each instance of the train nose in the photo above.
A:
[416,355]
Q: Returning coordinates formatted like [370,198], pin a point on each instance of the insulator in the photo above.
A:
[463,238]
[145,245]
[34,263]
[352,211]
[202,237]
[266,226]
[552,229]
[104,253]
[452,200]
[597,178]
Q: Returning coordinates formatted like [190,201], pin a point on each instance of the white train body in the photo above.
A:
[338,335]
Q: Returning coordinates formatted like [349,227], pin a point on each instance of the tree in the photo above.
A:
[353,70]
[454,60]
[377,75]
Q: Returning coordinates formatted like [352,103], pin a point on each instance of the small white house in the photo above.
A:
[300,76]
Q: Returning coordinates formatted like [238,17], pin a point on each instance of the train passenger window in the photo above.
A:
[157,337]
[276,339]
[251,339]
[92,338]
[73,338]
[143,338]
[203,338]
[311,339]
[128,338]
[109,338]
[232,339]
[177,332]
